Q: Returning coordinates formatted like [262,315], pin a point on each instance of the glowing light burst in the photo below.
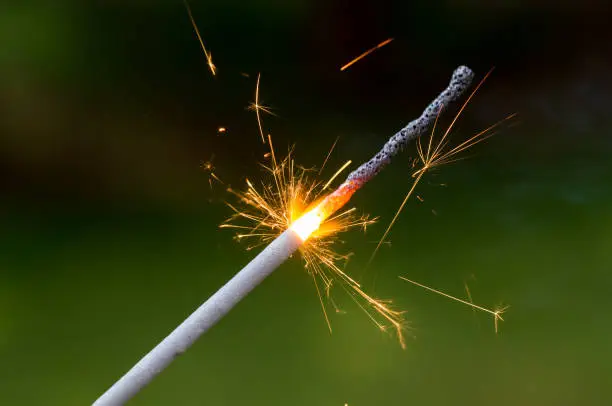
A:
[292,198]
[435,153]
[208,55]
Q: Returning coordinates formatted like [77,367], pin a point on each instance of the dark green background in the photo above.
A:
[109,231]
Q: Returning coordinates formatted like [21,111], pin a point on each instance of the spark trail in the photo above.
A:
[256,107]
[208,55]
[497,313]
[366,53]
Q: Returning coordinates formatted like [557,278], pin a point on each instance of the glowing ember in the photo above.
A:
[307,224]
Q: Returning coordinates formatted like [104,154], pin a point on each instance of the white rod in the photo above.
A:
[201,320]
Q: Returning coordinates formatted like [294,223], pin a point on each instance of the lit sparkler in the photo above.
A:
[289,201]
[275,206]
[366,53]
[311,222]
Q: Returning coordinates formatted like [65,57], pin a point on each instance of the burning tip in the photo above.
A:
[307,223]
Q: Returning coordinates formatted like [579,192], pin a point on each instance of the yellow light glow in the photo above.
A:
[307,224]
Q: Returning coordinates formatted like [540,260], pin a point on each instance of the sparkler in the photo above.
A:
[299,230]
[286,202]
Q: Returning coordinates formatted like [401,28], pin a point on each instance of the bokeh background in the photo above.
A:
[109,227]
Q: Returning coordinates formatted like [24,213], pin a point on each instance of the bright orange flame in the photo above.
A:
[308,223]
[311,220]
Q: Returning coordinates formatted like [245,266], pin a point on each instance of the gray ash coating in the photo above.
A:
[460,81]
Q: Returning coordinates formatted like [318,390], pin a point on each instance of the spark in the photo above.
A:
[208,167]
[497,314]
[291,198]
[208,55]
[256,107]
[366,53]
[221,130]
[435,154]
[328,154]
[338,172]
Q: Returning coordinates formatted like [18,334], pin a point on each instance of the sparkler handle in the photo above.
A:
[201,320]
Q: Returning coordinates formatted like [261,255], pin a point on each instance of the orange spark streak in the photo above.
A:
[211,65]
[366,53]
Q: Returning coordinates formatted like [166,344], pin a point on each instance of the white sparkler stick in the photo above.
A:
[219,304]
[201,320]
